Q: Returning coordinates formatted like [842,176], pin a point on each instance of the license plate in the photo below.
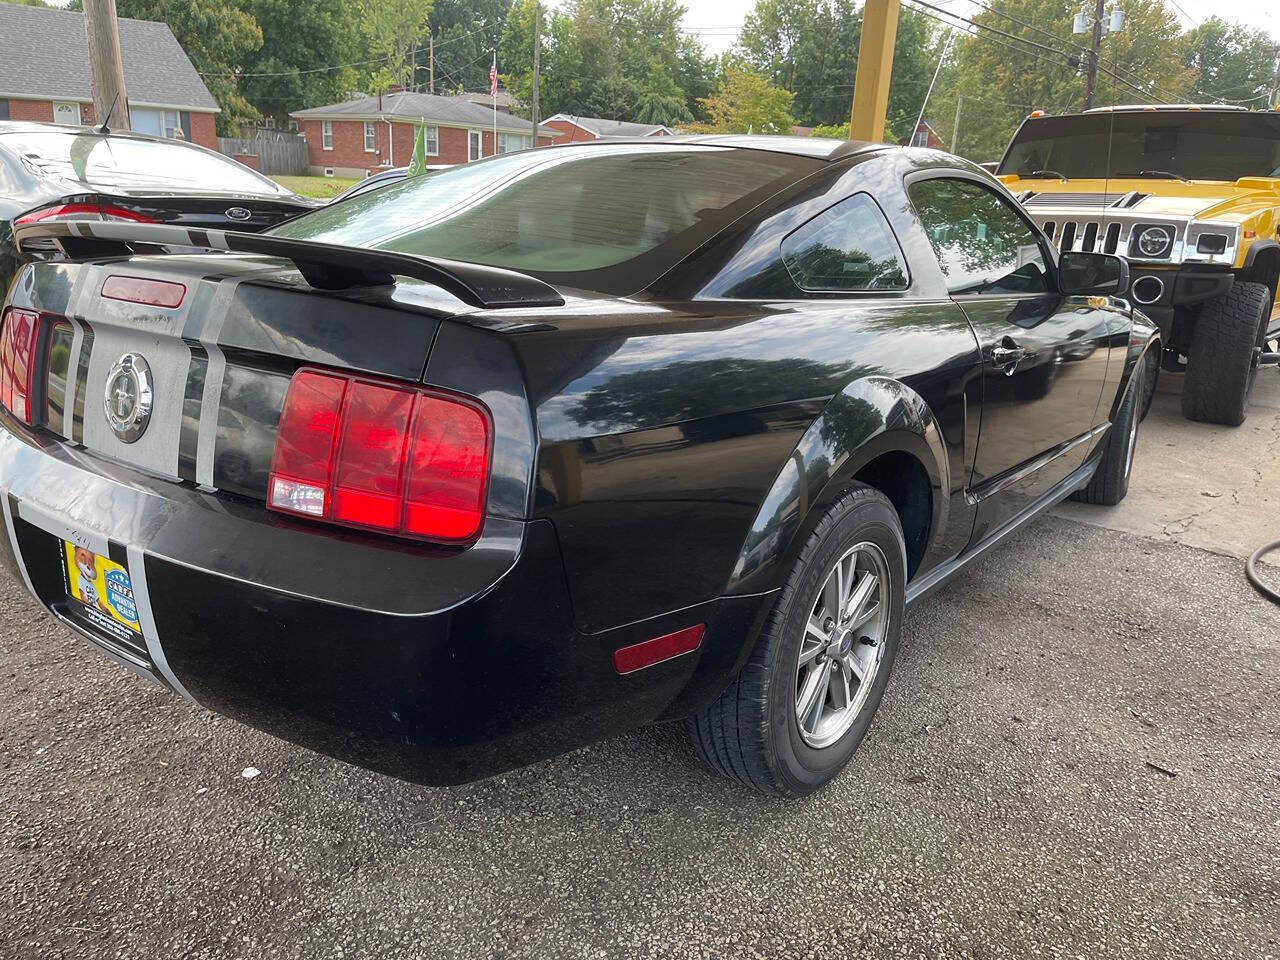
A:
[102,592]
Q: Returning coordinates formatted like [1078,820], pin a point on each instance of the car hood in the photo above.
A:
[1171,198]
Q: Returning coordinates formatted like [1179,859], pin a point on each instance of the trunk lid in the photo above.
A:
[218,364]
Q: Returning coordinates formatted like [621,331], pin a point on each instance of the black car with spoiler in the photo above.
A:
[479,467]
[50,172]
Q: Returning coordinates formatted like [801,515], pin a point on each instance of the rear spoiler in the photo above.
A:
[325,266]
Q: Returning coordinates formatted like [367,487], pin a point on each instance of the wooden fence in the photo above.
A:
[286,155]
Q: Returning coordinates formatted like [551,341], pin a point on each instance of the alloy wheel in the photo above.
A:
[843,645]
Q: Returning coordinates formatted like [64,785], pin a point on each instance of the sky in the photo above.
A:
[716,22]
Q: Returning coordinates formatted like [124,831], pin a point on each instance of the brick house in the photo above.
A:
[44,75]
[924,136]
[577,128]
[360,137]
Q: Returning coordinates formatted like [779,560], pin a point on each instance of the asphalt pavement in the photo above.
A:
[1078,757]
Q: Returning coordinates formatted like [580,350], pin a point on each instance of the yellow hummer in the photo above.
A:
[1190,195]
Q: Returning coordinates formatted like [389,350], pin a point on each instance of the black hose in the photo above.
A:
[1251,571]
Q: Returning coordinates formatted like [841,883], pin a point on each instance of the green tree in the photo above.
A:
[465,32]
[389,31]
[810,47]
[662,101]
[308,56]
[748,102]
[217,36]
[1229,62]
[622,59]
[1001,81]
[561,59]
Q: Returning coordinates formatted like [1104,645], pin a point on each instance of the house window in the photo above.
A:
[270,122]
[158,123]
[475,144]
[4,109]
[920,139]
[66,112]
[370,137]
[326,134]
[293,126]
[432,137]
[511,142]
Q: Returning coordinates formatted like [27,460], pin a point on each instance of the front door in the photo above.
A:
[475,144]
[1044,356]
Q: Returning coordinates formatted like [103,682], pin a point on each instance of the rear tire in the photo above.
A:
[1110,482]
[1222,361]
[755,732]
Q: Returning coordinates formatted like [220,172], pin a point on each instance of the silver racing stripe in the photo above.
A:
[99,545]
[142,597]
[210,403]
[205,327]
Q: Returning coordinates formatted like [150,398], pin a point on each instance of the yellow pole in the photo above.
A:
[875,68]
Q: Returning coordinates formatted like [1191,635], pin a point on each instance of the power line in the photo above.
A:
[1112,71]
[1017,49]
[355,63]
[1178,7]
[1134,82]
[983,26]
[1029,26]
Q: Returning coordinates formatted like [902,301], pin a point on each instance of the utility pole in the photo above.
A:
[106,71]
[1273,100]
[537,36]
[955,129]
[1095,47]
[431,60]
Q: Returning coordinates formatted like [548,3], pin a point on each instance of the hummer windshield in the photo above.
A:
[1157,144]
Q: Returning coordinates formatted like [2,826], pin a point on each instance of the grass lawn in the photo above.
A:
[326,188]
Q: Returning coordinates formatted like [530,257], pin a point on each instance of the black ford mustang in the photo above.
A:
[477,468]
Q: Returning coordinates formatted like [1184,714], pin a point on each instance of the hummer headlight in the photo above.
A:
[1154,242]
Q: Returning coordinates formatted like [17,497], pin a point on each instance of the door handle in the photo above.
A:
[1007,353]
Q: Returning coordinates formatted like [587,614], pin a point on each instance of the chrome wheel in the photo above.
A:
[843,645]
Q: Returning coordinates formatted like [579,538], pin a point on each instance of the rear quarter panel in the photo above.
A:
[663,433]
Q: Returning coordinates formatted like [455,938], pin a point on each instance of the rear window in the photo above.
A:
[609,218]
[123,163]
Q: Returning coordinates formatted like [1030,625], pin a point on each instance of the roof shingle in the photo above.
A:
[612,128]
[46,57]
[451,111]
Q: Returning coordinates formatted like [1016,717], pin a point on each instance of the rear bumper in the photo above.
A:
[433,665]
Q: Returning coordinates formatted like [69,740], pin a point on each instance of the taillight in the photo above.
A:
[381,456]
[83,211]
[19,331]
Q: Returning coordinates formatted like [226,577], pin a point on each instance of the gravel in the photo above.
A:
[1077,757]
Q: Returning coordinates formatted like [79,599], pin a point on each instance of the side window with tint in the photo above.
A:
[848,247]
[983,245]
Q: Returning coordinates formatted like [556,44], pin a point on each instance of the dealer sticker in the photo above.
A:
[103,589]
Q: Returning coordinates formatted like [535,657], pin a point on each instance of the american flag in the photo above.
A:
[493,79]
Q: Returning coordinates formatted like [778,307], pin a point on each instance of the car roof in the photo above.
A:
[22,126]
[1164,108]
[815,148]
[18,129]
